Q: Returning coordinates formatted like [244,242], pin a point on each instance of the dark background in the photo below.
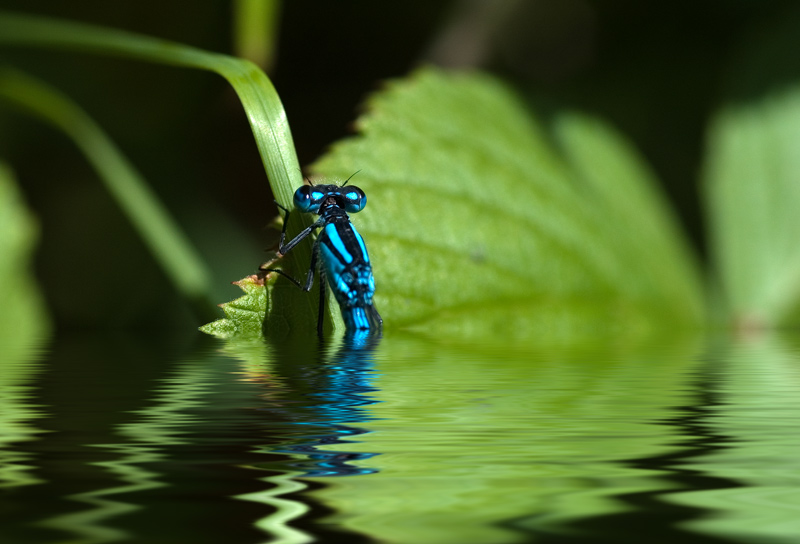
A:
[656,71]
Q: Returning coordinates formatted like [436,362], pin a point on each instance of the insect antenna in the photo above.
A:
[351,177]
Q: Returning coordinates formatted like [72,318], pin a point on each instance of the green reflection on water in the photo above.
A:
[18,412]
[471,438]
[468,438]
[430,443]
[141,443]
[754,418]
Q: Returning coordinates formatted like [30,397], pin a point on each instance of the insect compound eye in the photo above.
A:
[354,199]
[306,198]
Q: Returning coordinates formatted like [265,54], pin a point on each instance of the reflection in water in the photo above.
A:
[436,444]
[132,432]
[484,444]
[141,443]
[120,440]
[333,393]
[758,383]
[647,508]
[18,414]
[312,397]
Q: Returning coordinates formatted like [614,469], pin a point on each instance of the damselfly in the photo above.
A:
[344,262]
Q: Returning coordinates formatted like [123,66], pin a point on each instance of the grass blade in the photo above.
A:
[163,236]
[262,106]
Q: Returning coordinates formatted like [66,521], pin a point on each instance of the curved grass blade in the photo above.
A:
[260,100]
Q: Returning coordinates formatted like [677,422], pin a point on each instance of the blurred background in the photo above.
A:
[654,70]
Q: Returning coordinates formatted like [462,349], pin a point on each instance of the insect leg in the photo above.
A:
[323,288]
[284,248]
[311,269]
[282,273]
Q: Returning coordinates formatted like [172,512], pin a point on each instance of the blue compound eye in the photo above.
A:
[354,199]
[307,198]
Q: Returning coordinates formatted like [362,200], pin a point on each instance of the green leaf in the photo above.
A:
[751,186]
[482,220]
[244,317]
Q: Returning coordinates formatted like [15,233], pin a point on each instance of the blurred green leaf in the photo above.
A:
[23,319]
[484,220]
[751,182]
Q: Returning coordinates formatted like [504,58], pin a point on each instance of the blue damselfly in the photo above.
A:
[340,250]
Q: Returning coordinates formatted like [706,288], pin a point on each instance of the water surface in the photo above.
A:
[400,440]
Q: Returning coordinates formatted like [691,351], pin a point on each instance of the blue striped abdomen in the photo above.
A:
[346,268]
